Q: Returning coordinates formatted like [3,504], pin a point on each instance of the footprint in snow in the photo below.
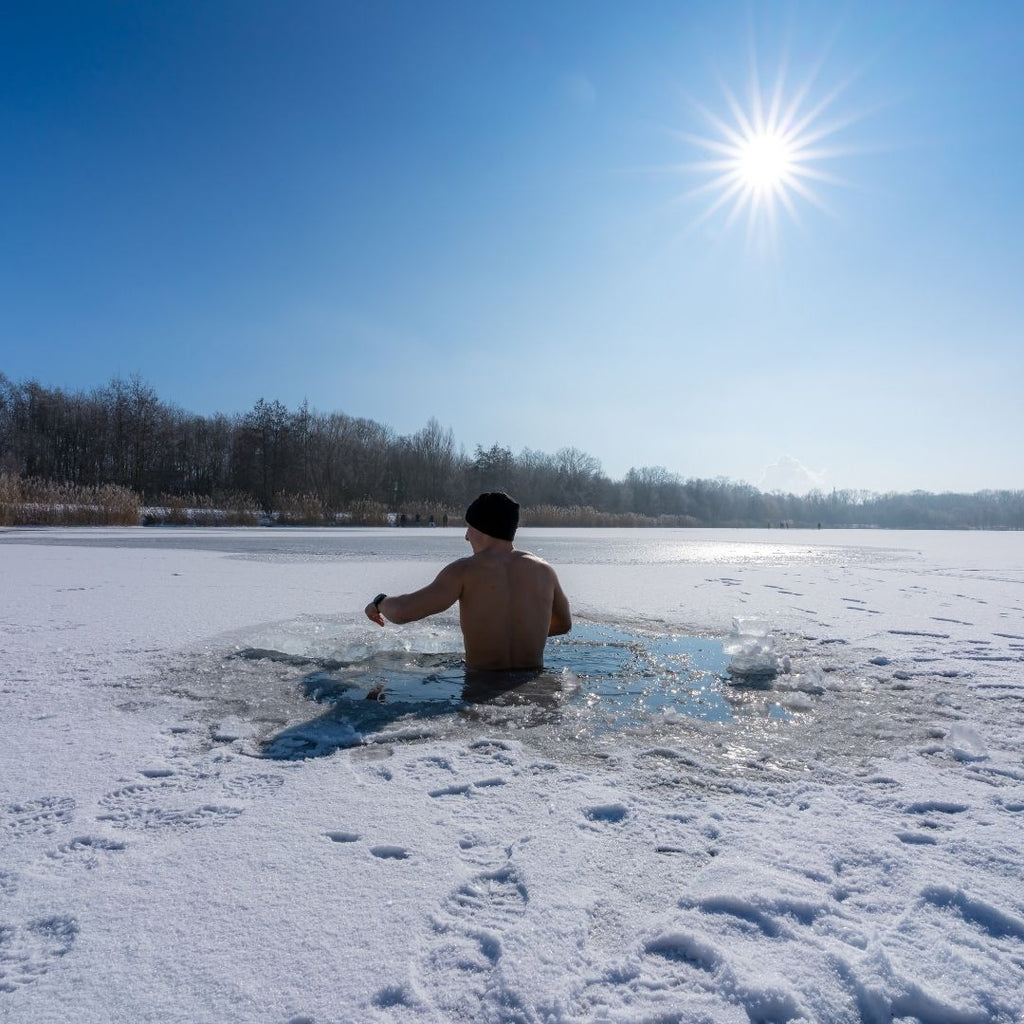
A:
[723,935]
[43,815]
[684,948]
[250,787]
[86,852]
[435,766]
[490,899]
[383,851]
[935,806]
[916,839]
[158,790]
[470,930]
[727,927]
[157,807]
[691,974]
[389,852]
[466,788]
[29,952]
[600,816]
[496,750]
[155,819]
[994,922]
[395,997]
[479,852]
[343,837]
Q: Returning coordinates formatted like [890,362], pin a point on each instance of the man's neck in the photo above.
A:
[492,545]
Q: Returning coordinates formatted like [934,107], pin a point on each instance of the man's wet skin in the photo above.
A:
[510,602]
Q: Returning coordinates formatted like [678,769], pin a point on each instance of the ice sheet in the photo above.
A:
[856,860]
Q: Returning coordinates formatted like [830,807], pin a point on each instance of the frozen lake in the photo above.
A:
[562,547]
[204,817]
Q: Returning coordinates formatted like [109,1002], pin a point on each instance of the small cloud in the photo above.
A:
[791,476]
[578,90]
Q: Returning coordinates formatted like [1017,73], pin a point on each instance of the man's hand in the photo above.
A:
[373,614]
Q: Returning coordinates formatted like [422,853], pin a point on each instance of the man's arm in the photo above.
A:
[561,617]
[433,598]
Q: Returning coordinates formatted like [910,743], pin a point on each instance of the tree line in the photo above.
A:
[123,434]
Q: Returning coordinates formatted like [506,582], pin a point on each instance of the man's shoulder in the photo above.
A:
[534,560]
[523,553]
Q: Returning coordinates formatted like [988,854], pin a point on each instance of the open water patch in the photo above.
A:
[597,680]
[627,677]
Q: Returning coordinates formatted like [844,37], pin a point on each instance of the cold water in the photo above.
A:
[598,679]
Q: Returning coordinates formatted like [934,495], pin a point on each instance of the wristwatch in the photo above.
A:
[377,600]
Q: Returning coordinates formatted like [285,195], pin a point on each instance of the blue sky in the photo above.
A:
[484,212]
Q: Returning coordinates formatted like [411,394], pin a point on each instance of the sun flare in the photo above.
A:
[767,154]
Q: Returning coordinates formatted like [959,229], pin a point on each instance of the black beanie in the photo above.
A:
[495,514]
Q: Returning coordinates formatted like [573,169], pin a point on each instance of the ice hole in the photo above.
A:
[598,679]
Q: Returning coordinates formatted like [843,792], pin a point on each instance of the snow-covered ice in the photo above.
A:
[842,844]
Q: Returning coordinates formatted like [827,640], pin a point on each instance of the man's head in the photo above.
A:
[495,514]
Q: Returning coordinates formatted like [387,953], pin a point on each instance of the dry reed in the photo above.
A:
[584,515]
[33,502]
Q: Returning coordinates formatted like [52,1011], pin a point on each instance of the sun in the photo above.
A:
[767,154]
[765,161]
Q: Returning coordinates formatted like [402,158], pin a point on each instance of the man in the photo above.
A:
[510,601]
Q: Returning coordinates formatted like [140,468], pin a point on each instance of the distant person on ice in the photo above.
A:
[510,601]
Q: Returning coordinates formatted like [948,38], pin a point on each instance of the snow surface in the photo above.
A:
[857,860]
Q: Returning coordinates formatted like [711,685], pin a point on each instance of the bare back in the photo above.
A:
[510,602]
[505,609]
